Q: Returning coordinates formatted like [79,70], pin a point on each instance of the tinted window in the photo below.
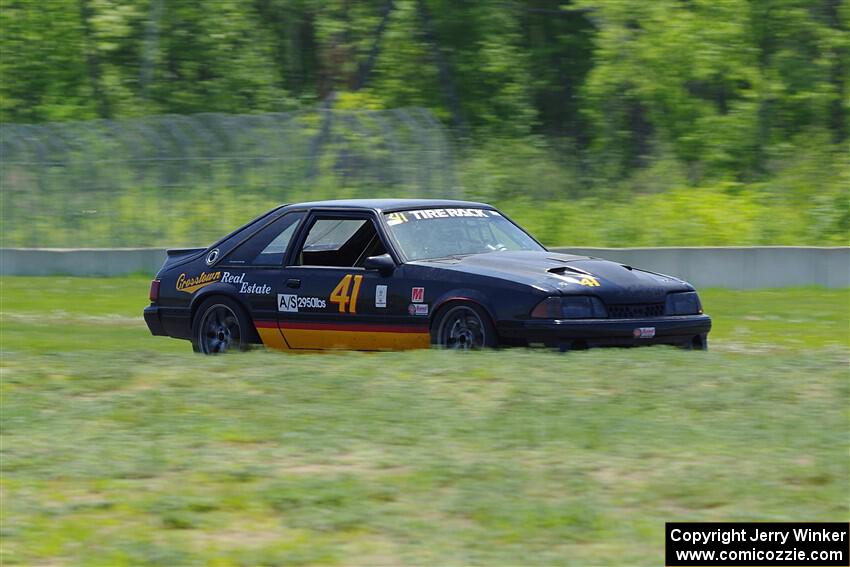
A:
[342,242]
[331,234]
[268,246]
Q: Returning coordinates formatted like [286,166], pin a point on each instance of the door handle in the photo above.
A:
[293,283]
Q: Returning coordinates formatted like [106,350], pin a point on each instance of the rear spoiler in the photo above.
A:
[182,251]
[175,256]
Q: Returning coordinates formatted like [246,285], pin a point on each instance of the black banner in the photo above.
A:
[822,544]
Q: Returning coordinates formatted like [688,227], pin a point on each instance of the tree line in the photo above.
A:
[720,86]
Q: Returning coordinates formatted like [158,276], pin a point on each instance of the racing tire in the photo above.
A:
[697,342]
[463,326]
[700,342]
[220,325]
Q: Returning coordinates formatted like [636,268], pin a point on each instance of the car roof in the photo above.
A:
[386,204]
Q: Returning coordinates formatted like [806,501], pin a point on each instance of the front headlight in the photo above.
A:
[686,303]
[570,307]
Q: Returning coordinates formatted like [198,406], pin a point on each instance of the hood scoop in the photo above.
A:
[573,269]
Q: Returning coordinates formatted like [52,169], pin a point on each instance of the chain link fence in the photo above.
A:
[185,180]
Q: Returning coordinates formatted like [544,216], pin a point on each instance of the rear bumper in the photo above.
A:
[153,321]
[168,321]
[680,330]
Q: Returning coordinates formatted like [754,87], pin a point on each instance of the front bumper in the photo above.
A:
[683,330]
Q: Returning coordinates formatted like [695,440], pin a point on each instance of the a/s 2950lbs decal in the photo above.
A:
[291,303]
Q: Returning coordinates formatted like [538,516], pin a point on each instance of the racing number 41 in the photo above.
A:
[340,294]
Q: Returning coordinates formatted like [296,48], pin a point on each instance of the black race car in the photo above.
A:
[396,273]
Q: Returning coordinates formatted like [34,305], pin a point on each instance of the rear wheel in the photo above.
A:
[220,325]
[463,326]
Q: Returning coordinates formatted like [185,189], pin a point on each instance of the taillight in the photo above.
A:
[154,293]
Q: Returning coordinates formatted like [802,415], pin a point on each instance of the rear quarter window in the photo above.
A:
[268,246]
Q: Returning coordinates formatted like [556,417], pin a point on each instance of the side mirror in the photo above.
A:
[383,263]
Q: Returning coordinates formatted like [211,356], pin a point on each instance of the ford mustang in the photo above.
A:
[382,274]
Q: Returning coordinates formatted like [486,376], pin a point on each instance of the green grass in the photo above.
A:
[124,449]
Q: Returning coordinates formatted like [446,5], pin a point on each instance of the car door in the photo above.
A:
[255,270]
[333,300]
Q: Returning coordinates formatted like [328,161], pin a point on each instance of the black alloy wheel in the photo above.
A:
[220,325]
[464,327]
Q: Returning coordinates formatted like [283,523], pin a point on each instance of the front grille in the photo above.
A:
[637,311]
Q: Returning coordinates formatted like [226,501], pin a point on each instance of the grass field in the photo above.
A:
[119,448]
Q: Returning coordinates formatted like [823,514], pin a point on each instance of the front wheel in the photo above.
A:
[220,325]
[463,327]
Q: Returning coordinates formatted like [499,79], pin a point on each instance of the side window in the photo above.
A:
[331,234]
[268,246]
[340,242]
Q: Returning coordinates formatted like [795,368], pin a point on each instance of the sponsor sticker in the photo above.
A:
[261,289]
[427,214]
[644,332]
[380,296]
[192,284]
[227,277]
[245,287]
[418,308]
[417,294]
[396,218]
[291,303]
[287,303]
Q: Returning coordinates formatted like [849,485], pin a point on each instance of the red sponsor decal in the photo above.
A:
[644,332]
[417,294]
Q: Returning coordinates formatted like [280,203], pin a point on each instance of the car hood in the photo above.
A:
[568,274]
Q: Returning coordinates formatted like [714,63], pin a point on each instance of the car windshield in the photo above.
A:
[441,233]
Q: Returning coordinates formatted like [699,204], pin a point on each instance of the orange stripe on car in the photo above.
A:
[358,336]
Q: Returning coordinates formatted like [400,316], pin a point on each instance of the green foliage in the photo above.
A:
[39,82]
[719,82]
[600,107]
[715,80]
[86,59]
[805,202]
